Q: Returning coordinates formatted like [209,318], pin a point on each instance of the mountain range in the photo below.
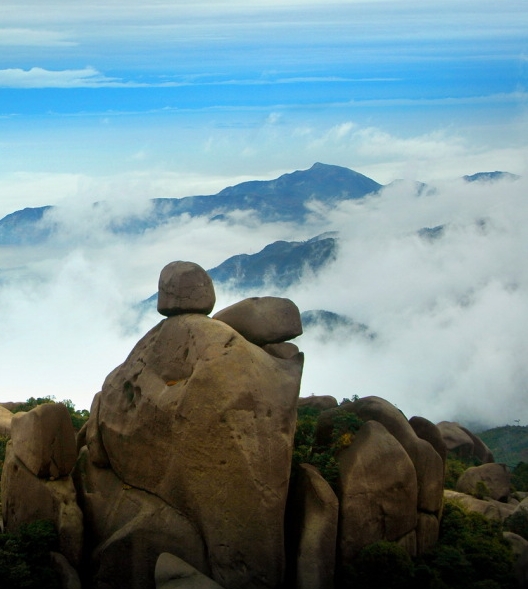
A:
[286,198]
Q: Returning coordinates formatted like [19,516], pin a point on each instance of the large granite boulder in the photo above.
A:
[174,573]
[428,463]
[125,524]
[490,480]
[203,420]
[428,431]
[463,442]
[378,491]
[185,287]
[263,320]
[314,514]
[490,508]
[5,422]
[519,547]
[27,498]
[44,440]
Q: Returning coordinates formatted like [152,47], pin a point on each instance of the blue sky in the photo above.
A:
[185,99]
[125,100]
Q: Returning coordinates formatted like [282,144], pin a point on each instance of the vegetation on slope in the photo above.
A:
[508,443]
[471,554]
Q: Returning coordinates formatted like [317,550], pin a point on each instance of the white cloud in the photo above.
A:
[448,314]
[13,37]
[37,77]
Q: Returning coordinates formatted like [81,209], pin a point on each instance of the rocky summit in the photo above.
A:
[182,476]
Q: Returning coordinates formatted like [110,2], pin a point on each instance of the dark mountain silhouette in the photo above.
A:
[25,226]
[490,176]
[331,322]
[283,199]
[281,263]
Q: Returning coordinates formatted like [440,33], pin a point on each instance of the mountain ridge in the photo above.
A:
[286,198]
[282,199]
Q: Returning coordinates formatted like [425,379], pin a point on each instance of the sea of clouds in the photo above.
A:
[448,313]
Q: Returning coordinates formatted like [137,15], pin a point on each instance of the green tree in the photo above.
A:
[471,552]
[382,564]
[344,426]
[519,480]
[25,557]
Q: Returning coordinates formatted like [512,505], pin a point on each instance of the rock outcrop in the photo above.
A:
[174,573]
[488,480]
[490,508]
[182,473]
[36,482]
[5,421]
[185,287]
[401,503]
[217,413]
[320,402]
[375,502]
[263,320]
[463,442]
[314,511]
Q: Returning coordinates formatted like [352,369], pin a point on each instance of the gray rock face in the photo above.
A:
[494,479]
[427,462]
[27,498]
[376,502]
[44,440]
[316,514]
[185,287]
[174,573]
[217,414]
[520,552]
[263,320]
[124,521]
[68,575]
[5,422]
[492,509]
[462,442]
[428,431]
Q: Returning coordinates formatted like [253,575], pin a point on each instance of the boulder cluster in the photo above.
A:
[390,487]
[182,475]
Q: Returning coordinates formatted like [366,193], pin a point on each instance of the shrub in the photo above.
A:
[344,426]
[481,490]
[471,552]
[25,557]
[519,478]
[455,466]
[382,564]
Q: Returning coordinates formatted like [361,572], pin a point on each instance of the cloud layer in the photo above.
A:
[448,313]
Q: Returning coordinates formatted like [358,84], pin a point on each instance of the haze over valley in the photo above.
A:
[423,286]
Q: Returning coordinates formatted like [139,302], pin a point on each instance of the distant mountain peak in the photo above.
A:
[490,176]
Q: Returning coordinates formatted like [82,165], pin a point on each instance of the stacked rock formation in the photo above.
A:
[189,443]
[182,472]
